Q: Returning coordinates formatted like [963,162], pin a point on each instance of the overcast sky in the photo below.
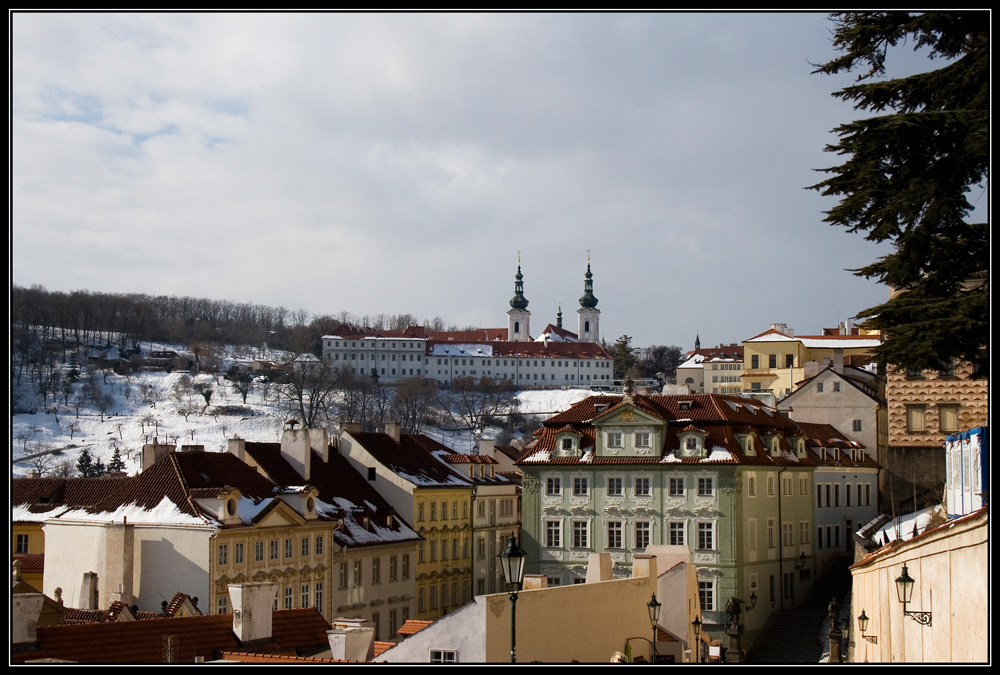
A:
[398,163]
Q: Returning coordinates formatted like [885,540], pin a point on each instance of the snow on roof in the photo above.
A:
[587,458]
[540,456]
[670,458]
[358,533]
[789,456]
[718,454]
[821,341]
[693,362]
[248,510]
[890,532]
[21,514]
[456,349]
[164,513]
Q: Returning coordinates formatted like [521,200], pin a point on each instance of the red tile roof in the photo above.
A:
[293,630]
[412,456]
[480,335]
[250,657]
[411,626]
[554,350]
[41,495]
[30,562]
[459,458]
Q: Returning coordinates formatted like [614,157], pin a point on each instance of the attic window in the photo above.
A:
[310,505]
[775,447]
[685,405]
[371,473]
[567,444]
[231,507]
[600,407]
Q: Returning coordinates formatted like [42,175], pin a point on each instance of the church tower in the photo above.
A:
[518,317]
[588,316]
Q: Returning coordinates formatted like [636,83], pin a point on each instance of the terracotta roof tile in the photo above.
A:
[411,626]
[412,456]
[30,562]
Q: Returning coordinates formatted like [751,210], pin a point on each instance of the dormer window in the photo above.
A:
[685,405]
[775,447]
[567,444]
[600,407]
[801,447]
[692,443]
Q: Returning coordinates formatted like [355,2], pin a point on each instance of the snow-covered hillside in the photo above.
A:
[135,417]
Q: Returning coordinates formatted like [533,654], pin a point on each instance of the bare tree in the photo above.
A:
[412,402]
[310,391]
[150,394]
[474,404]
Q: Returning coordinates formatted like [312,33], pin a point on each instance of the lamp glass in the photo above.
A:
[696,624]
[512,564]
[863,621]
[904,586]
[654,611]
[753,600]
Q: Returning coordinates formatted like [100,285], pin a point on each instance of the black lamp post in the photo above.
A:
[512,564]
[904,590]
[863,624]
[696,625]
[654,616]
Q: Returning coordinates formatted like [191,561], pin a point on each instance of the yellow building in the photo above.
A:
[410,472]
[777,360]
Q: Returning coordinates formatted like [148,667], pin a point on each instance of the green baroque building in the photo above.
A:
[727,477]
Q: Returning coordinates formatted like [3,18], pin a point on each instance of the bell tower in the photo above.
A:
[588,316]
[518,318]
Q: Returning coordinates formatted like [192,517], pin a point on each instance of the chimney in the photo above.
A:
[487,447]
[25,610]
[599,568]
[319,441]
[517,443]
[252,603]
[351,427]
[352,640]
[296,448]
[238,447]
[644,565]
[154,452]
[192,448]
[88,591]
[392,429]
[838,360]
[810,369]
[535,581]
[119,562]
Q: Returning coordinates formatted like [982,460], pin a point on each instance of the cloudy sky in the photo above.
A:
[399,163]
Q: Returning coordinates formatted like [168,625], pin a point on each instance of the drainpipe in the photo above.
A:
[781,544]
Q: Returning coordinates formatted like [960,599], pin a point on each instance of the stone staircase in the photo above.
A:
[792,635]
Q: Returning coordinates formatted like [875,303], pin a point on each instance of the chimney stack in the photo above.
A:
[26,608]
[838,360]
[154,452]
[352,640]
[238,447]
[252,603]
[296,448]
[487,447]
[119,562]
[392,429]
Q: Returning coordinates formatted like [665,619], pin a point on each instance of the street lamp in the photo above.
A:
[863,624]
[696,625]
[512,564]
[904,590]
[654,615]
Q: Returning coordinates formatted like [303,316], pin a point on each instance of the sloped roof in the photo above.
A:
[411,626]
[350,333]
[295,630]
[41,495]
[412,459]
[469,336]
[557,334]
[30,562]
[552,350]
[349,494]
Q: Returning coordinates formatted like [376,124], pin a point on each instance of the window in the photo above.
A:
[433,551]
[836,387]
[567,444]
[914,373]
[857,425]
[868,494]
[819,387]
[615,486]
[343,575]
[752,486]
[706,594]
[258,551]
[357,572]
[580,532]
[705,487]
[274,549]
[392,568]
[481,548]
[434,602]
[803,486]
[836,494]
[786,485]
[420,513]
[641,535]
[553,487]
[642,487]
[819,537]
[770,532]
[405,572]
[376,570]
[615,535]
[448,655]
[319,597]
[375,620]
[420,552]
[642,439]
[614,439]
[288,598]
[553,534]
[392,623]
[433,510]
[787,534]
[288,548]
[705,539]
[915,419]
[223,554]
[755,361]
[676,487]
[772,360]
[305,547]
[238,554]
[305,595]
[444,508]
[22,544]
[770,485]
[948,418]
[789,360]
[948,370]
[420,600]
[319,545]
[580,487]
[677,534]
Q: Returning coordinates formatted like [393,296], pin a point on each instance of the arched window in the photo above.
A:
[586,326]
[689,380]
[517,326]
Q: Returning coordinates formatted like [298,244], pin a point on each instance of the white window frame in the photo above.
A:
[710,586]
[649,486]
[443,656]
[648,527]
[586,493]
[621,486]
[621,534]
[751,484]
[558,532]
[558,480]
[711,529]
[586,533]
[682,529]
[645,436]
[683,485]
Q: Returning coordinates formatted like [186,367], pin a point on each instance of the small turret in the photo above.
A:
[519,301]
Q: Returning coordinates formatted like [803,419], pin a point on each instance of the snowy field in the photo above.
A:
[131,421]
